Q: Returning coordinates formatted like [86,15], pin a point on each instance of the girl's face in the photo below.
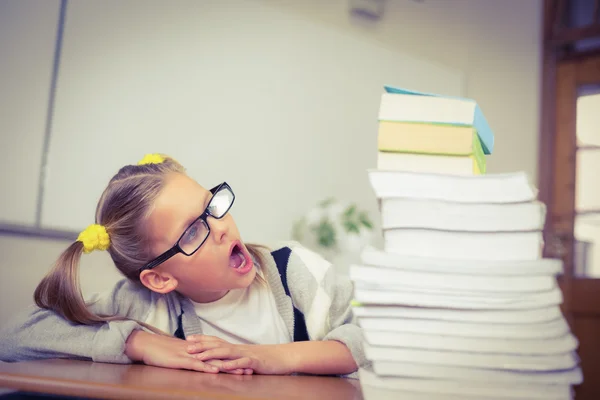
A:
[220,264]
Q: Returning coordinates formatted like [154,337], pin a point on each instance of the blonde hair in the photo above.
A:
[122,209]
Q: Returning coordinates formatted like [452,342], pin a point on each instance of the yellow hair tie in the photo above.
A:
[152,159]
[94,237]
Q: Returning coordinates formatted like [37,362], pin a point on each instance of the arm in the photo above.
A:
[42,333]
[324,297]
[320,357]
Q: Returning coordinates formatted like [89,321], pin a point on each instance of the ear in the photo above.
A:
[158,281]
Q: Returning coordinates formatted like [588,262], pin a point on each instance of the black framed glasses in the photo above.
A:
[196,234]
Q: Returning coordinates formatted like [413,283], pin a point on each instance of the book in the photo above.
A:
[545,266]
[459,165]
[411,297]
[420,147]
[547,386]
[520,362]
[457,374]
[490,317]
[493,189]
[403,212]
[558,345]
[543,330]
[474,294]
[508,246]
[424,138]
[379,388]
[403,105]
[484,284]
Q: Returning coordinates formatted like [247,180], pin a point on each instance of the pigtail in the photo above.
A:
[60,290]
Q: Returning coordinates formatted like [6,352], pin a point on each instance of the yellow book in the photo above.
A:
[431,139]
[414,137]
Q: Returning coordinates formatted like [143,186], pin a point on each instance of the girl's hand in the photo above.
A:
[236,371]
[170,352]
[261,359]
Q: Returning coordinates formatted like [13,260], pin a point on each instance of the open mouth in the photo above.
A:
[239,259]
[236,258]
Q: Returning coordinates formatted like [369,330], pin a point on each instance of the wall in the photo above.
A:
[496,43]
[234,90]
[25,75]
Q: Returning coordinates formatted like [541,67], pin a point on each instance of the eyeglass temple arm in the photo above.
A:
[162,258]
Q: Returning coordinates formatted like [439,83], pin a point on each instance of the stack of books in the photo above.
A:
[459,304]
[432,134]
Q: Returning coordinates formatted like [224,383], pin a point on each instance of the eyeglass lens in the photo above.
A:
[195,234]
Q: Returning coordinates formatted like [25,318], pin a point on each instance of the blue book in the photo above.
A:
[403,105]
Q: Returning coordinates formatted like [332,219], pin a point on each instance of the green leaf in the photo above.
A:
[351,227]
[364,219]
[325,233]
[350,211]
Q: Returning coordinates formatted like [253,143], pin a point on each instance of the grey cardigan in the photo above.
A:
[322,296]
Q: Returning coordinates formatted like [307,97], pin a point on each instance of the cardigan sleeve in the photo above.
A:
[324,297]
[40,333]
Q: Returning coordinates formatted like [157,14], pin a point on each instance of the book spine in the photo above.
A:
[483,131]
[478,153]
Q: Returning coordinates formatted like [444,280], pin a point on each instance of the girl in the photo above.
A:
[195,297]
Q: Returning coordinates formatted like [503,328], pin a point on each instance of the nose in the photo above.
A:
[219,228]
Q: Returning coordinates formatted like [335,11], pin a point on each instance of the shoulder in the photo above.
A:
[303,261]
[126,297]
[124,289]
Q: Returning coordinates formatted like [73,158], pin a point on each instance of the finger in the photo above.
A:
[244,362]
[203,338]
[197,365]
[199,347]
[222,353]
[239,371]
[219,364]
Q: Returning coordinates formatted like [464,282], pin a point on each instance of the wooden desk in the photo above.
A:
[100,380]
